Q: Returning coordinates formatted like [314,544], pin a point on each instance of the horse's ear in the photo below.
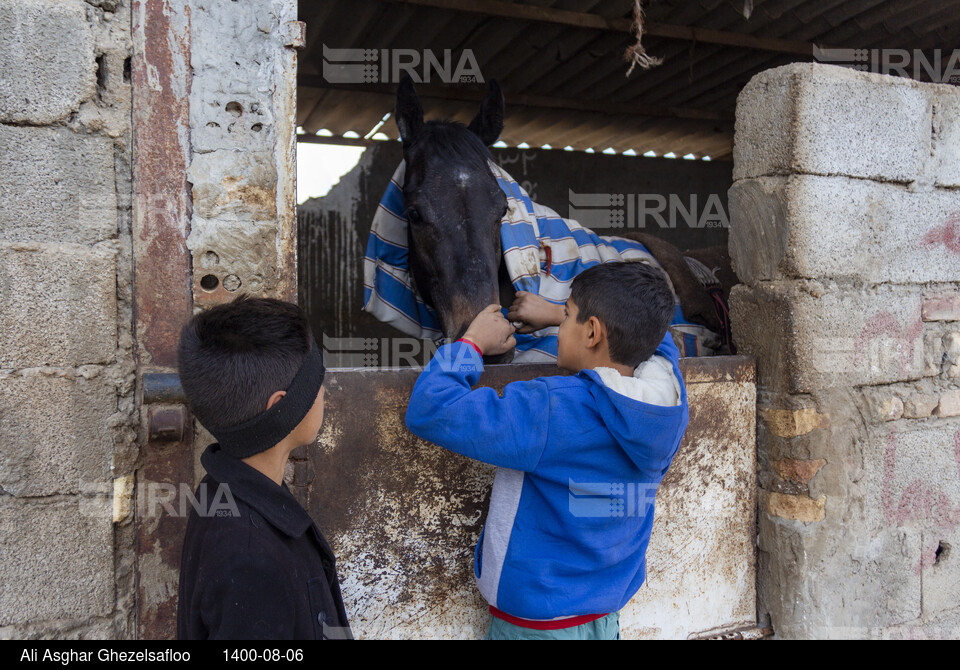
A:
[409,111]
[488,123]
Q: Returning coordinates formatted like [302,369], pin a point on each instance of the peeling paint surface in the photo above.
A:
[242,108]
[404,515]
[162,298]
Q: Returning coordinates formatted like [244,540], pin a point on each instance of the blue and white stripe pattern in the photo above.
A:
[530,235]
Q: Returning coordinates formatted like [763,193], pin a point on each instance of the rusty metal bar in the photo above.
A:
[163,299]
[162,387]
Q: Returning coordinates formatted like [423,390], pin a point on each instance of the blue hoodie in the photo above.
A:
[572,503]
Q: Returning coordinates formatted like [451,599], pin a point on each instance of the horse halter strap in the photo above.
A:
[270,427]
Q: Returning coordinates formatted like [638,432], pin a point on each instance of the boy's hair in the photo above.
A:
[233,357]
[633,300]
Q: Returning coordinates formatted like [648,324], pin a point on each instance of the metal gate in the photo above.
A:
[403,515]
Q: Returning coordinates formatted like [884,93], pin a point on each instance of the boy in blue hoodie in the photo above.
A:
[579,457]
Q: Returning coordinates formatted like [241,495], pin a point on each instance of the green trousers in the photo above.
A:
[606,628]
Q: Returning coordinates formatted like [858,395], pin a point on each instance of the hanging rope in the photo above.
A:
[636,54]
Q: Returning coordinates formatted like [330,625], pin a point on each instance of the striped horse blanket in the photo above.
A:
[542,251]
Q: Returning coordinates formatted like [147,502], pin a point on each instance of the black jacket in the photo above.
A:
[254,565]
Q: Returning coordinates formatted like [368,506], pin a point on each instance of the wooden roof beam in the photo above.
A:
[522,100]
[511,10]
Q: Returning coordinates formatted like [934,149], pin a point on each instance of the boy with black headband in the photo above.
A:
[258,568]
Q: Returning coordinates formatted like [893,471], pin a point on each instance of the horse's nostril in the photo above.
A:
[499,359]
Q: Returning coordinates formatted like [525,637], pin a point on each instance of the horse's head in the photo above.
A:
[454,207]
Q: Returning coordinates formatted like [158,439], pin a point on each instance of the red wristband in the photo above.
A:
[472,344]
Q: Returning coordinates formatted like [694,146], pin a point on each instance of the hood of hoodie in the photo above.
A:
[647,413]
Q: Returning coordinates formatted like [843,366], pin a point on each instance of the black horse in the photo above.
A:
[454,207]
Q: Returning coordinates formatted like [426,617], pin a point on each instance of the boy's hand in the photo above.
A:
[534,312]
[491,332]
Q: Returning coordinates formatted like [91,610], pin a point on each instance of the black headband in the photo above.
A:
[270,427]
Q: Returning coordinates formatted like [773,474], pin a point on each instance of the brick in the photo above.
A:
[54,433]
[919,406]
[56,186]
[809,226]
[796,508]
[944,307]
[55,562]
[799,471]
[793,423]
[58,305]
[946,138]
[47,60]
[811,335]
[829,120]
[949,404]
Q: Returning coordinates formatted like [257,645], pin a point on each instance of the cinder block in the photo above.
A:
[941,570]
[829,120]
[912,472]
[841,578]
[46,58]
[56,186]
[809,226]
[809,335]
[55,562]
[946,138]
[54,433]
[58,305]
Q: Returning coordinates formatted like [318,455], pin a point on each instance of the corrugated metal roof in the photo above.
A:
[566,85]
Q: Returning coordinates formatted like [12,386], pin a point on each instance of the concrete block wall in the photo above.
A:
[845,231]
[67,413]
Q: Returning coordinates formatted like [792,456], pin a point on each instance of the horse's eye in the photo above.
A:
[413,216]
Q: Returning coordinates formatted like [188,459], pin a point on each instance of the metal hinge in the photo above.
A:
[167,417]
[294,34]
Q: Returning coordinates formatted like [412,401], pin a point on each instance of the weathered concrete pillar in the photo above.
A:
[845,231]
[243,139]
[214,116]
[67,413]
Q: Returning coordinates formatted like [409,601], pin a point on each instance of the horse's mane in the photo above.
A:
[453,141]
